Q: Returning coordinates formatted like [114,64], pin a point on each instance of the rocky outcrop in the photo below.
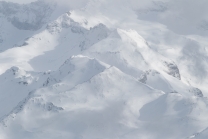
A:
[196,92]
[143,77]
[172,69]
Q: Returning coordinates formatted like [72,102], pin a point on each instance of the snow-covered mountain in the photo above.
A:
[103,69]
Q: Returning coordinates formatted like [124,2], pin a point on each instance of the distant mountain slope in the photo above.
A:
[86,98]
[102,70]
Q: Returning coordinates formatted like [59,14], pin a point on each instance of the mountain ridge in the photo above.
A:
[101,70]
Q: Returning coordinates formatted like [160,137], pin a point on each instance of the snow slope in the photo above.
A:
[99,71]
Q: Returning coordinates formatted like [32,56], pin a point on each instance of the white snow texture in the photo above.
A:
[103,69]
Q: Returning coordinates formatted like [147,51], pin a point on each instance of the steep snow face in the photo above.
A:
[48,49]
[99,95]
[177,53]
[100,69]
[106,103]
[15,86]
[20,22]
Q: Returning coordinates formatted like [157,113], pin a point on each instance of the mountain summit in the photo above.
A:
[103,69]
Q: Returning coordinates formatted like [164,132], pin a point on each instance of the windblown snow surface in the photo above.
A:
[103,69]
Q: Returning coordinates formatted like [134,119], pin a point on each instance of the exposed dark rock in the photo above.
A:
[14,70]
[49,81]
[143,77]
[172,70]
[174,92]
[51,107]
[196,92]
[23,82]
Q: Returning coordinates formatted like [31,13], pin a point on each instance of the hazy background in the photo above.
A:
[19,1]
[181,16]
